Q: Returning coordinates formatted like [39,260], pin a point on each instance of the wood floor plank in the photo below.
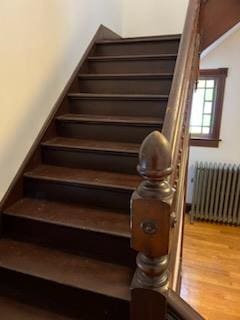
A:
[211,270]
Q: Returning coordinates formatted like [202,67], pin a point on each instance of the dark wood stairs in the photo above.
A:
[65,241]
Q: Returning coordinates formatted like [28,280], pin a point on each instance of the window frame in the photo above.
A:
[212,140]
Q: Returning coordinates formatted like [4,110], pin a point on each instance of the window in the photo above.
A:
[207,105]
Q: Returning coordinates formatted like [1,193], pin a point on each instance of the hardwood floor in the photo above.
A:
[211,270]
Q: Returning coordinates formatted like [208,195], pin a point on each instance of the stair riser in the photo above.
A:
[135,108]
[90,195]
[161,47]
[27,266]
[95,160]
[106,132]
[100,246]
[61,299]
[125,86]
[131,66]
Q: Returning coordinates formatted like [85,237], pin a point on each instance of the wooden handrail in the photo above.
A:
[181,177]
[157,205]
[182,70]
[177,106]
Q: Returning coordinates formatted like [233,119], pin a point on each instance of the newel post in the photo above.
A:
[150,229]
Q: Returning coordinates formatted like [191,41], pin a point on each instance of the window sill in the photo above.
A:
[203,142]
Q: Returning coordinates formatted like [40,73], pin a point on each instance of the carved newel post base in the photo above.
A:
[151,222]
[151,272]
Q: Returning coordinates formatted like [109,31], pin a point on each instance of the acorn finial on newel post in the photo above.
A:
[151,214]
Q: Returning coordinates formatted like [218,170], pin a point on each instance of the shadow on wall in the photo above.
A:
[41,49]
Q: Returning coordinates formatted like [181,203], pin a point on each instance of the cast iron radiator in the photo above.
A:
[216,193]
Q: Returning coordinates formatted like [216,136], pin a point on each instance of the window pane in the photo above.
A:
[197,108]
[209,94]
[203,107]
[203,124]
[201,83]
[206,130]
[210,83]
[196,130]
[208,107]
[206,120]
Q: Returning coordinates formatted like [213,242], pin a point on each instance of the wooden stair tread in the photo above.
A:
[85,177]
[69,229]
[64,268]
[72,215]
[125,76]
[98,145]
[117,96]
[133,57]
[110,119]
[141,39]
[12,309]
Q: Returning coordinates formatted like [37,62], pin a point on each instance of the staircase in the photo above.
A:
[65,246]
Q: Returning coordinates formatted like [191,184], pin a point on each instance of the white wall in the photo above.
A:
[227,55]
[41,43]
[153,17]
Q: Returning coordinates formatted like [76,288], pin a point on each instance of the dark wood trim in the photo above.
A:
[181,308]
[214,72]
[223,73]
[202,142]
[15,189]
[212,141]
[217,17]
[182,71]
[176,124]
